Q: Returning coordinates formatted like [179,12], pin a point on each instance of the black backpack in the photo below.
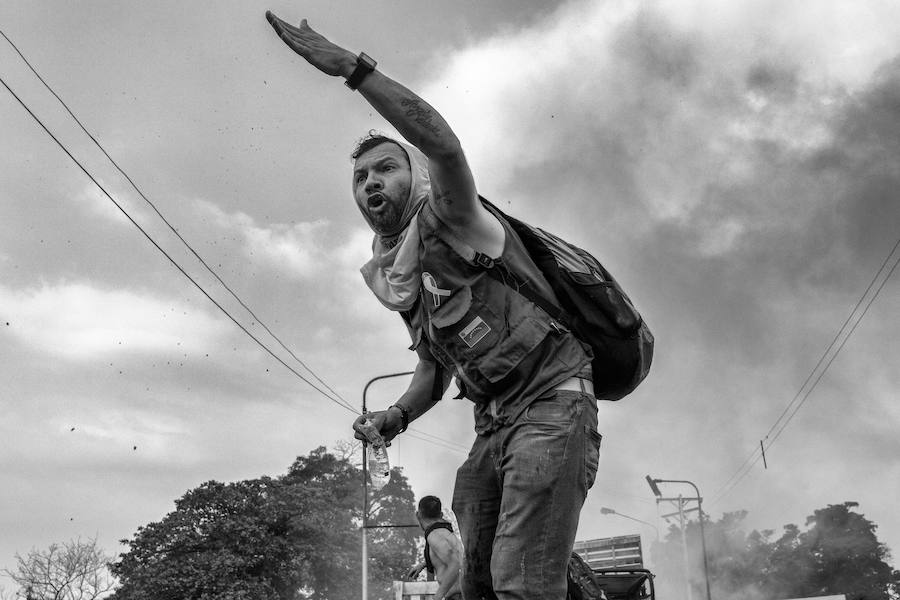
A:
[592,304]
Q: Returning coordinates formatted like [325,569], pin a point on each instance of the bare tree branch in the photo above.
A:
[75,570]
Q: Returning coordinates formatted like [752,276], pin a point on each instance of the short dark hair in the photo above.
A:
[430,507]
[369,141]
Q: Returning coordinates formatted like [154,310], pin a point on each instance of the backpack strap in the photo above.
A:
[466,251]
[474,257]
[437,384]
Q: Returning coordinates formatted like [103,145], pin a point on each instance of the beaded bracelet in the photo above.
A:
[404,417]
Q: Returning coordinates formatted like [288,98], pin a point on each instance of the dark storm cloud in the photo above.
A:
[866,155]
[752,186]
[773,80]
[655,53]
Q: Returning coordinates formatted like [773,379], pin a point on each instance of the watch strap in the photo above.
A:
[364,65]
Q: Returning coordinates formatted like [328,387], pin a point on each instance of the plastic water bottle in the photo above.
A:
[379,466]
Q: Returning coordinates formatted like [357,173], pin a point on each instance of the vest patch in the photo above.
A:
[474,332]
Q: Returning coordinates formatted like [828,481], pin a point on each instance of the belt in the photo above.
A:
[572,384]
[577,384]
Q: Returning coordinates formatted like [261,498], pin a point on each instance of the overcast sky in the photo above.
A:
[733,163]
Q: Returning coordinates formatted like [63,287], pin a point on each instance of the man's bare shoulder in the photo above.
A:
[483,231]
[443,539]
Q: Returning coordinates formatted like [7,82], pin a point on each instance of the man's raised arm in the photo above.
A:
[453,187]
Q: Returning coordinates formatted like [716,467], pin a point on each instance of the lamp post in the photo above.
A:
[610,511]
[656,491]
[365,476]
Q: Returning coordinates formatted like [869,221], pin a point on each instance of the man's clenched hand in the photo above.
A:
[318,51]
[387,422]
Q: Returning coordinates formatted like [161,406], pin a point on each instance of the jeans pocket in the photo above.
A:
[591,455]
[549,409]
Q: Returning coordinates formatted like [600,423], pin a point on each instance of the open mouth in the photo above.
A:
[375,201]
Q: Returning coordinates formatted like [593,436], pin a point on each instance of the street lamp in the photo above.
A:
[610,511]
[365,477]
[653,486]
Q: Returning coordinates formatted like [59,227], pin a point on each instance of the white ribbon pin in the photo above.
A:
[432,288]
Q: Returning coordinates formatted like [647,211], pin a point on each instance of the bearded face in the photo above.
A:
[381,185]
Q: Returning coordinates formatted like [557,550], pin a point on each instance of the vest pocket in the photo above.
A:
[467,329]
[517,343]
[462,328]
[452,309]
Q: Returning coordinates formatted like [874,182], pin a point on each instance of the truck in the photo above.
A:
[616,583]
[611,568]
[601,569]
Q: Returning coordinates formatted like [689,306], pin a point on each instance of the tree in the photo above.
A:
[333,561]
[839,553]
[735,559]
[788,566]
[295,536]
[74,570]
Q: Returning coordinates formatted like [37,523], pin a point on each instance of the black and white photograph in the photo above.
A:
[411,299]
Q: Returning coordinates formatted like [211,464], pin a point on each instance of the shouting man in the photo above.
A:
[518,496]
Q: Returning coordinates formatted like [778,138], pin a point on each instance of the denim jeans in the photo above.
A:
[518,497]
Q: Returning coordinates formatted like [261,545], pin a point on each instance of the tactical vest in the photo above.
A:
[499,344]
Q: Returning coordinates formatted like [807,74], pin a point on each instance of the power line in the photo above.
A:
[726,487]
[801,397]
[339,402]
[738,475]
[433,439]
[833,356]
[166,221]
[336,398]
[836,337]
[847,337]
[757,454]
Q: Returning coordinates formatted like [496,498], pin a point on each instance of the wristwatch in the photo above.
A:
[364,66]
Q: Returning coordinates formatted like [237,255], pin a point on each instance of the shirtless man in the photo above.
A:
[443,550]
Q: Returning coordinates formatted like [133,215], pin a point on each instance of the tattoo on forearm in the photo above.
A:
[422,115]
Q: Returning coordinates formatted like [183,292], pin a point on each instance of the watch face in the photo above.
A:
[364,66]
[364,60]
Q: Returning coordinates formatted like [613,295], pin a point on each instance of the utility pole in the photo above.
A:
[681,501]
[684,550]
